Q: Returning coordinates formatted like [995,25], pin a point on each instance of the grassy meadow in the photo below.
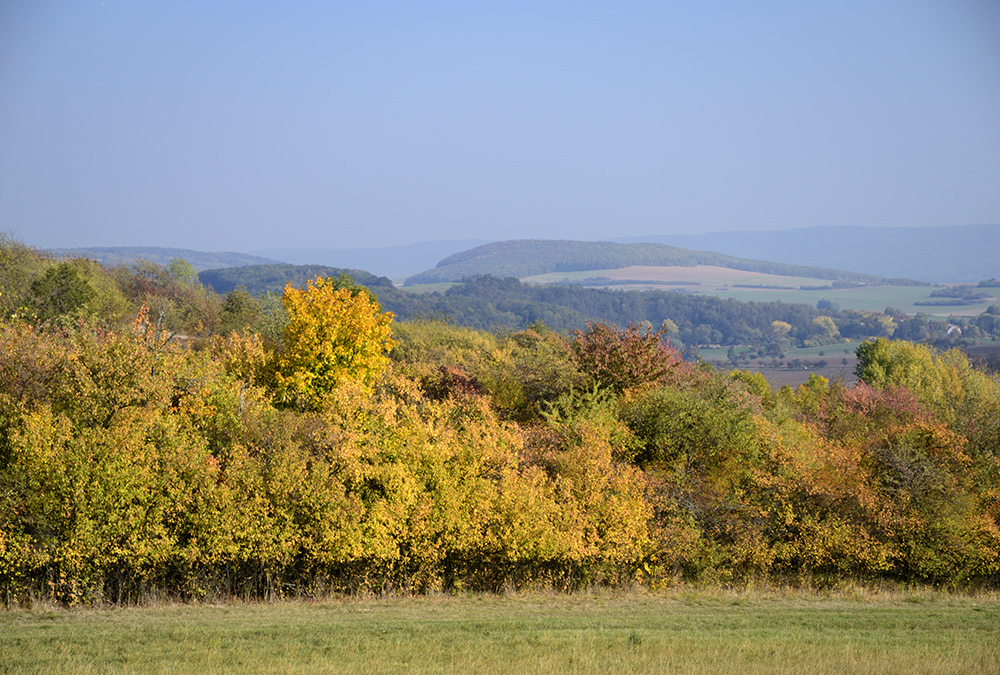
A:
[678,632]
[739,285]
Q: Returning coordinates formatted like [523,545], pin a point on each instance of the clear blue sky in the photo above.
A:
[248,125]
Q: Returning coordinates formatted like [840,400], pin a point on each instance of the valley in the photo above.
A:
[762,287]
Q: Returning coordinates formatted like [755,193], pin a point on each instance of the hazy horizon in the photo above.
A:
[247,127]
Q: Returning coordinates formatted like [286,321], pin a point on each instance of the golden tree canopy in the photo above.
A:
[336,333]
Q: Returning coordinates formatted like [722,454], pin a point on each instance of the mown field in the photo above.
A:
[678,632]
[740,285]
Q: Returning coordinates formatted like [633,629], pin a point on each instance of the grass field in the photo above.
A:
[678,632]
[729,283]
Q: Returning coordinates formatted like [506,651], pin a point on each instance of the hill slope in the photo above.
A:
[935,254]
[529,257]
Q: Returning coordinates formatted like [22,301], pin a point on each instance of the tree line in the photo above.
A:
[329,447]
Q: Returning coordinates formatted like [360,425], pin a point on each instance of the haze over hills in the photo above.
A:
[964,253]
[394,262]
[932,254]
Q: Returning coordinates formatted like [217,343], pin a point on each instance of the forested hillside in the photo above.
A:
[529,257]
[312,443]
[260,279]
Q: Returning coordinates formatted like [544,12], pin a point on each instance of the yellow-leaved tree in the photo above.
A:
[336,333]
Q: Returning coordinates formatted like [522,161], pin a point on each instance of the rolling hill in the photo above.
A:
[531,257]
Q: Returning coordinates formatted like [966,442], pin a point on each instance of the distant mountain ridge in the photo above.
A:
[528,257]
[959,253]
[199,260]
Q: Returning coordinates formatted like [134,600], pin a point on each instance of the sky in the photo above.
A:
[241,126]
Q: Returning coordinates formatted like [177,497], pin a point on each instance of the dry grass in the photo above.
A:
[682,631]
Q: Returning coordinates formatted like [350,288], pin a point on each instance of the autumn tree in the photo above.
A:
[935,379]
[824,328]
[780,329]
[336,333]
[620,359]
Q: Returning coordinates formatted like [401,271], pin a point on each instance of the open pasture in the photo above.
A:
[680,632]
[759,287]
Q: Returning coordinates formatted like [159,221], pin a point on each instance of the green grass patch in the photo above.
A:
[421,289]
[679,632]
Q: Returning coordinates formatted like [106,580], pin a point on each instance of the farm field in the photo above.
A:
[798,364]
[679,632]
[841,359]
[737,284]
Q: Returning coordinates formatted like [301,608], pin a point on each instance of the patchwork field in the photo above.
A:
[759,287]
[680,632]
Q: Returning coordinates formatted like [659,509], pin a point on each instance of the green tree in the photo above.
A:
[182,271]
[60,291]
[238,310]
[20,266]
